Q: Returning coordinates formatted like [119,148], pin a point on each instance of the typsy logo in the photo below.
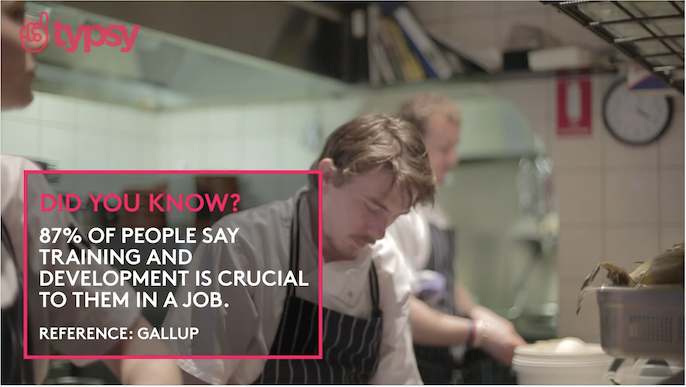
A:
[38,34]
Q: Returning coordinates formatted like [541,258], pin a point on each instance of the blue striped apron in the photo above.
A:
[437,365]
[350,345]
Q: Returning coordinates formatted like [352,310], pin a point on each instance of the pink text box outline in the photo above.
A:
[319,356]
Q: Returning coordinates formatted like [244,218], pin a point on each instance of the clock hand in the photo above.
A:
[644,114]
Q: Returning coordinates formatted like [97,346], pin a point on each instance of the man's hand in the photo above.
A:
[498,336]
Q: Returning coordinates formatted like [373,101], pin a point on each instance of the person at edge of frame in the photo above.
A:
[449,328]
[18,66]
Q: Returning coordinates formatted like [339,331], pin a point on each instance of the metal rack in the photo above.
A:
[651,33]
[643,322]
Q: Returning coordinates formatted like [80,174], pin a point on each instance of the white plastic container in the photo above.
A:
[563,361]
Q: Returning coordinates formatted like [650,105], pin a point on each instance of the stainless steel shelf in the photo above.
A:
[650,33]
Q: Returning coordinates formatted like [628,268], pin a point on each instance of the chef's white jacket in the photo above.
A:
[12,198]
[412,235]
[250,322]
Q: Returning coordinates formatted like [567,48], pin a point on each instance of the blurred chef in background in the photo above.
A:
[18,66]
[445,319]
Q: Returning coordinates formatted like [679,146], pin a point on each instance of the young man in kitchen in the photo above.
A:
[374,168]
[450,322]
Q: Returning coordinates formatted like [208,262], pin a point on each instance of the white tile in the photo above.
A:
[123,121]
[179,127]
[626,246]
[186,126]
[587,322]
[225,155]
[59,146]
[147,155]
[185,156]
[198,121]
[123,154]
[260,154]
[617,154]
[30,112]
[57,108]
[261,121]
[296,156]
[165,159]
[669,236]
[198,156]
[579,196]
[92,117]
[163,122]
[107,158]
[21,138]
[147,126]
[672,196]
[577,151]
[579,251]
[92,152]
[225,123]
[535,97]
[631,197]
[671,144]
[295,118]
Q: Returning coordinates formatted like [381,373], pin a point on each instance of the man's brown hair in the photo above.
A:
[418,109]
[378,140]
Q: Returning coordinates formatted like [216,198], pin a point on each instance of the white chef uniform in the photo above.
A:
[253,317]
[411,234]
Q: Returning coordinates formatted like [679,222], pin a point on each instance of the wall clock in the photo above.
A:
[633,118]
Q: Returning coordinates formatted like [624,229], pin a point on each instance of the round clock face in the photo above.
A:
[634,118]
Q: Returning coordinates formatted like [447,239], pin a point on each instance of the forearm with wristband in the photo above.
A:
[478,331]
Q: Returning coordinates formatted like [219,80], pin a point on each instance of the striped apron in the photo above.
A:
[437,365]
[459,364]
[350,345]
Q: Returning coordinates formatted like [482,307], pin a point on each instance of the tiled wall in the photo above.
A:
[617,203]
[255,136]
[79,134]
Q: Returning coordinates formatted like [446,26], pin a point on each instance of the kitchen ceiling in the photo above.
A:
[181,60]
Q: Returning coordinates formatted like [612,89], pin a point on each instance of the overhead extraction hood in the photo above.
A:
[198,54]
